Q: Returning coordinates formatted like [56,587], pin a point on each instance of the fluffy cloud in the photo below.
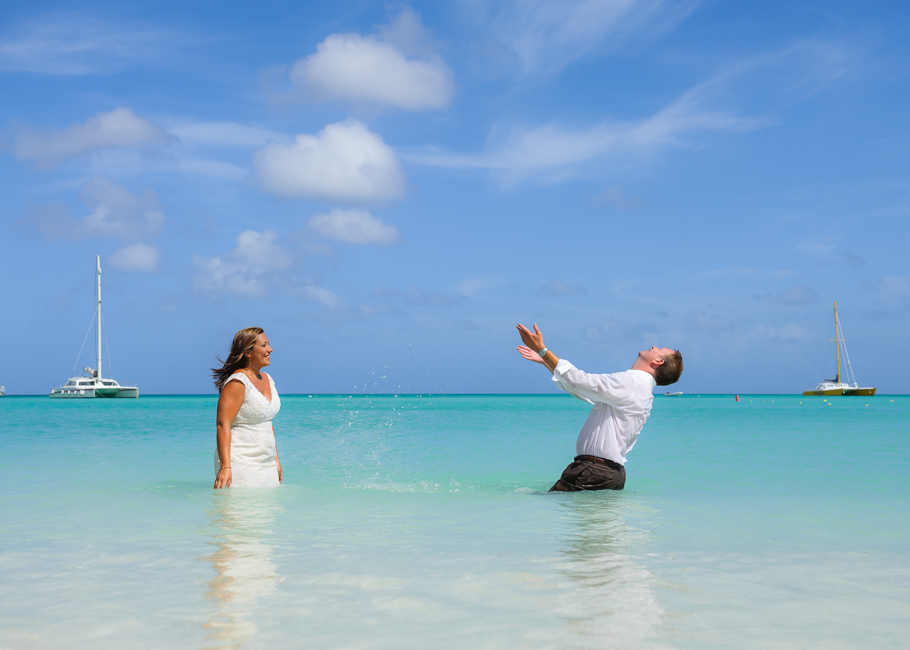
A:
[343,162]
[118,129]
[116,213]
[242,271]
[354,227]
[364,70]
[378,69]
[138,257]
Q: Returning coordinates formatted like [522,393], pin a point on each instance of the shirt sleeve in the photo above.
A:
[615,389]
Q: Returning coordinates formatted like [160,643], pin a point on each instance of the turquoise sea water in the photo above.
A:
[423,522]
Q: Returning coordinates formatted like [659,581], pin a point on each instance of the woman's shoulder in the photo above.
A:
[239,377]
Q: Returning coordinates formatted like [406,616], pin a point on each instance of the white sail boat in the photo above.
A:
[836,386]
[91,384]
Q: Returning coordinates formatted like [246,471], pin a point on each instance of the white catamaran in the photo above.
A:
[836,386]
[91,384]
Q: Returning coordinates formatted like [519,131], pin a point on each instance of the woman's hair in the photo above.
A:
[244,341]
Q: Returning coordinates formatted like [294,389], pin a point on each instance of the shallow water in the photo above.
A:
[409,522]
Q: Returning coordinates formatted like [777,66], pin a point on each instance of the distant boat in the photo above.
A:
[91,384]
[836,386]
[673,394]
[2,391]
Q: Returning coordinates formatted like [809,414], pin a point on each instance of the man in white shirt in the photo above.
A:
[622,404]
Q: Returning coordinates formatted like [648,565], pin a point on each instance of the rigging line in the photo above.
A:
[72,372]
[852,377]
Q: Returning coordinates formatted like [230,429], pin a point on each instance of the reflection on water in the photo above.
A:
[610,601]
[242,559]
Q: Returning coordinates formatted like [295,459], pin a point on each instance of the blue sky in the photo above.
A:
[388,188]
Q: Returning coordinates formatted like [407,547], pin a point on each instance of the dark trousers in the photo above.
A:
[591,473]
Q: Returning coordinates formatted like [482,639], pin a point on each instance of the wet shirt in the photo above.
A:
[622,404]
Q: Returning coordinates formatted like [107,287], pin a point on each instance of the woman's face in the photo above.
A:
[259,355]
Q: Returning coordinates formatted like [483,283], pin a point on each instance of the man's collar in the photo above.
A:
[645,372]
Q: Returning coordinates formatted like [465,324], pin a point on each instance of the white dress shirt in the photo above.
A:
[622,404]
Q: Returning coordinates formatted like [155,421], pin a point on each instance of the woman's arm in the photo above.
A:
[229,404]
[277,462]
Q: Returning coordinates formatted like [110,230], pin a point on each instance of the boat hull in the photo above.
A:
[121,391]
[865,392]
[855,392]
[85,393]
[827,392]
[112,392]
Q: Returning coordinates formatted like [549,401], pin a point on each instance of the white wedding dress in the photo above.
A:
[253,448]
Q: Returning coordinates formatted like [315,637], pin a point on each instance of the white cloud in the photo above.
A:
[243,271]
[119,212]
[543,36]
[72,43]
[138,257]
[555,152]
[118,129]
[377,70]
[116,213]
[343,162]
[407,32]
[354,227]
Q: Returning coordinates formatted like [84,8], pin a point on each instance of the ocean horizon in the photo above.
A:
[423,520]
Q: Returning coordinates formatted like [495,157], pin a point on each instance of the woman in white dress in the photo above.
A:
[246,454]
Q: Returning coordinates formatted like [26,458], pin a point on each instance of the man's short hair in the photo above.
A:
[669,372]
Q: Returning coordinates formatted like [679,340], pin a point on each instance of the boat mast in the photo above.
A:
[836,329]
[98,316]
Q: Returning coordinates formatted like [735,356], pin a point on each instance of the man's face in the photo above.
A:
[654,353]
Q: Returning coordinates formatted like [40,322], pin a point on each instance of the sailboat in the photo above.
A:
[836,386]
[91,383]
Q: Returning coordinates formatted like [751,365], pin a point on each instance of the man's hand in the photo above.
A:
[533,340]
[533,344]
[529,354]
